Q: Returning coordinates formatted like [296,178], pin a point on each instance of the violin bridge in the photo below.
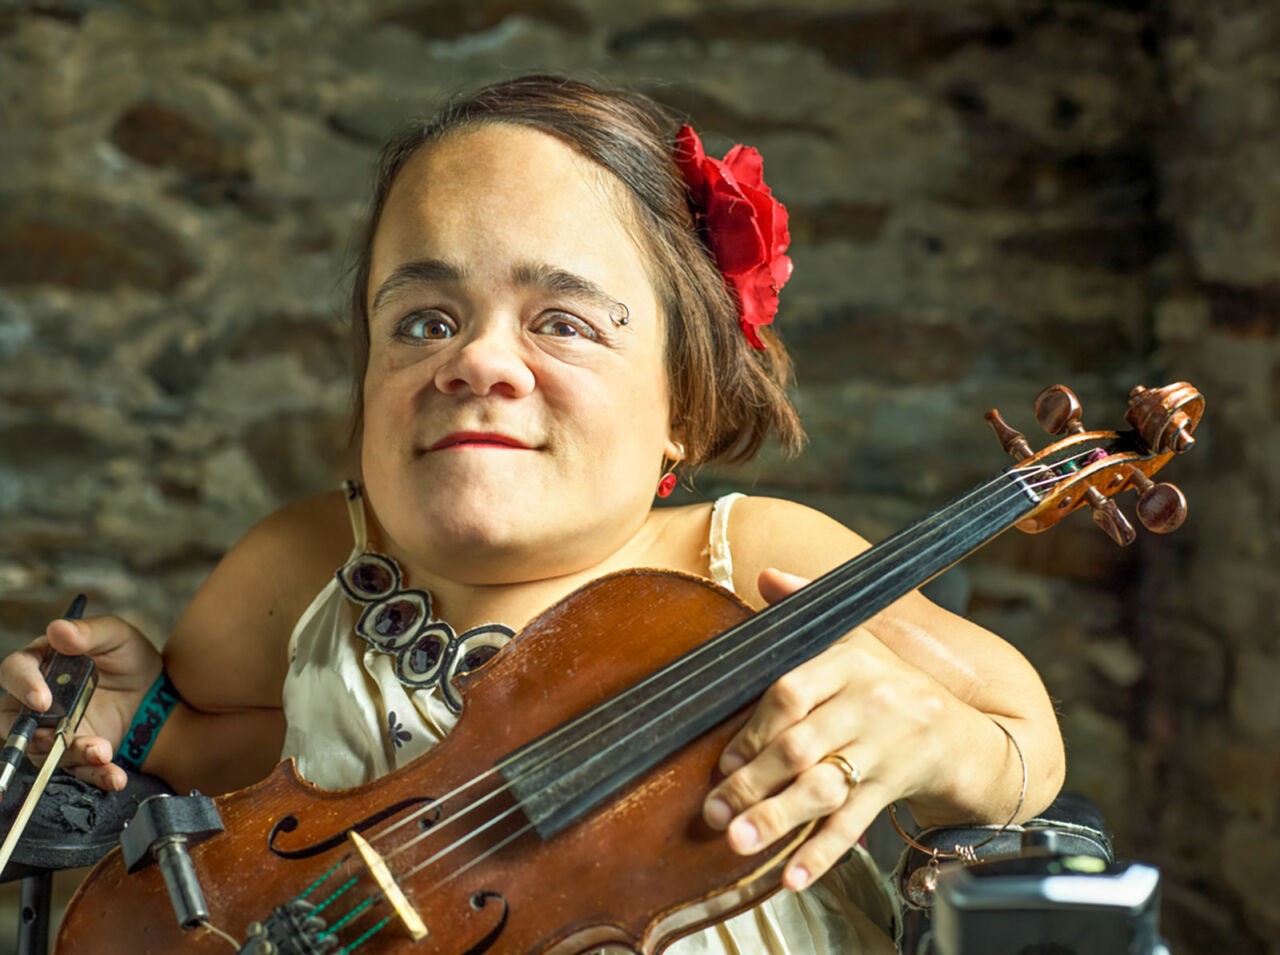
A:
[390,888]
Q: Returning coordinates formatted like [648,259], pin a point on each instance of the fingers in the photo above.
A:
[102,637]
[126,664]
[106,776]
[89,758]
[831,841]
[86,757]
[789,702]
[776,778]
[110,778]
[98,636]
[126,660]
[20,676]
[824,790]
[857,699]
[783,767]
[775,584]
[89,751]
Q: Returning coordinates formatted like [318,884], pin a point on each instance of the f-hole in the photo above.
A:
[478,902]
[290,823]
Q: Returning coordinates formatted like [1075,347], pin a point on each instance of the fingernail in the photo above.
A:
[718,813]
[94,752]
[731,763]
[744,835]
[797,878]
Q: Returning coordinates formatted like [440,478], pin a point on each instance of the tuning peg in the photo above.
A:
[1058,410]
[1161,507]
[1107,516]
[1013,441]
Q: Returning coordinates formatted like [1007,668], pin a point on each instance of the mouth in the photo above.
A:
[478,439]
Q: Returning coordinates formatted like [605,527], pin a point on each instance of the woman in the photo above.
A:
[559,301]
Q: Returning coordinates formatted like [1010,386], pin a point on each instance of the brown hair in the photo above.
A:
[725,395]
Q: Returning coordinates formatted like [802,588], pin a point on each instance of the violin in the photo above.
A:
[595,734]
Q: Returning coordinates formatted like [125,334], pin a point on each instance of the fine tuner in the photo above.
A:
[1162,418]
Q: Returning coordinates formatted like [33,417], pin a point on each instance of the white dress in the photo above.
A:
[351,718]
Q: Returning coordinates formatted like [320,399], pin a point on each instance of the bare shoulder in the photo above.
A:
[229,647]
[771,532]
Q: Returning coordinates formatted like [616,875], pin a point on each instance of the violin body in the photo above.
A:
[638,871]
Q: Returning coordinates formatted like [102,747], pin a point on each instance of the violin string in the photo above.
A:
[324,878]
[347,949]
[527,826]
[1015,489]
[334,896]
[844,587]
[1000,482]
[474,833]
[351,915]
[346,886]
[996,482]
[332,929]
[441,883]
[375,897]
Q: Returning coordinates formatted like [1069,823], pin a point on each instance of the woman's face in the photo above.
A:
[513,428]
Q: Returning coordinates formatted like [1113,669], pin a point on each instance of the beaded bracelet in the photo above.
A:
[924,880]
[155,709]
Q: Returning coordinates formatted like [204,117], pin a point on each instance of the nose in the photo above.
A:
[488,363]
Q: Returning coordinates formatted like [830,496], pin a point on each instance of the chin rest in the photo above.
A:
[1071,826]
[74,824]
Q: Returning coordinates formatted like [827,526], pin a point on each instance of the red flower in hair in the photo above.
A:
[743,224]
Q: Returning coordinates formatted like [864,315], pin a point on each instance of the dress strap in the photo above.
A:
[721,556]
[355,511]
[323,602]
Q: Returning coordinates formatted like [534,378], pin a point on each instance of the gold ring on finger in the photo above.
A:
[849,769]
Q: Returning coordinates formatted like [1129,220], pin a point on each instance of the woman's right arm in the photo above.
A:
[227,658]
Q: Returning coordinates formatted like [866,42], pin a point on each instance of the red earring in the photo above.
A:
[667,483]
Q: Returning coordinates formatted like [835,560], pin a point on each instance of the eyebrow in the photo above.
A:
[419,272]
[525,275]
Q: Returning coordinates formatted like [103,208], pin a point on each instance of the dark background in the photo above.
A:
[986,198]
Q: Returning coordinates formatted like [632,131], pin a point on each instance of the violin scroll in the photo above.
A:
[1090,467]
[1166,417]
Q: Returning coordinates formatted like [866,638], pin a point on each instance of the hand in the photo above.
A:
[856,698]
[127,665]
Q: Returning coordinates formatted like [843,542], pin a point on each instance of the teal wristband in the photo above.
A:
[155,709]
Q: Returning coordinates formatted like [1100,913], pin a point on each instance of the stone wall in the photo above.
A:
[986,197]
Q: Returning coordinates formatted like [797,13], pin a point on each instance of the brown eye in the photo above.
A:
[563,325]
[425,326]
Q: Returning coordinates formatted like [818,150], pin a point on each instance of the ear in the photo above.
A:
[673,450]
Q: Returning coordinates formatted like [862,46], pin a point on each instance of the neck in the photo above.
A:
[474,585]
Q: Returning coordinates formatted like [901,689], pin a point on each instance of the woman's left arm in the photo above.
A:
[912,699]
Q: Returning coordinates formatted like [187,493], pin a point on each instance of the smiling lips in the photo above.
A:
[478,439]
